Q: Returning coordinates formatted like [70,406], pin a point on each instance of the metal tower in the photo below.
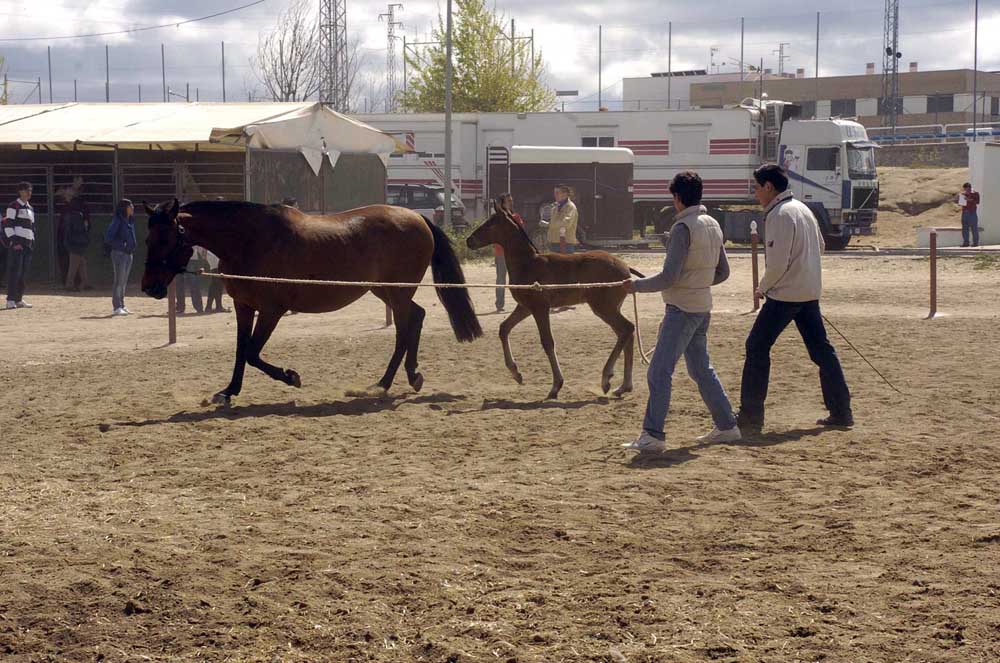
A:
[891,101]
[391,95]
[333,89]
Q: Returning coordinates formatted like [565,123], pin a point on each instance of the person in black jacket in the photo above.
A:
[76,240]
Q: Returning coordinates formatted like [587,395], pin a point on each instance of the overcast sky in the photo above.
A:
[937,34]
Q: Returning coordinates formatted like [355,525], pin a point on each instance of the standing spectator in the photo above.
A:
[76,239]
[189,280]
[215,286]
[792,284]
[969,200]
[562,225]
[19,239]
[696,261]
[120,238]
[506,201]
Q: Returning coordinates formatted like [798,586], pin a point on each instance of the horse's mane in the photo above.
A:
[524,233]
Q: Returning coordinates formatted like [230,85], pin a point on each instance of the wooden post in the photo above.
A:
[933,244]
[172,313]
[753,261]
[388,316]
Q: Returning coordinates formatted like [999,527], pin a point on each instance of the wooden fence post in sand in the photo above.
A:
[172,313]
[933,246]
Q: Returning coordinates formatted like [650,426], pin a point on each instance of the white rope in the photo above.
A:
[643,355]
[536,286]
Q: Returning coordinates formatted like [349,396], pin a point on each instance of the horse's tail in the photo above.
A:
[447,269]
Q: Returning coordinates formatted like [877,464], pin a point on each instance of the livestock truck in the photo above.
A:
[830,162]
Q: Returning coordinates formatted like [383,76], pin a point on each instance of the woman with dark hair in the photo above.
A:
[504,201]
[120,237]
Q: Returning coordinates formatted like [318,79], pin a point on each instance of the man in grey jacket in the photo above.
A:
[696,260]
[792,284]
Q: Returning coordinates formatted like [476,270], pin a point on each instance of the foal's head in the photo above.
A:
[167,251]
[500,228]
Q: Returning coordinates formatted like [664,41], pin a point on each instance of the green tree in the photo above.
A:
[490,73]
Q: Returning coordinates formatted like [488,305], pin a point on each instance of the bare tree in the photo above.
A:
[287,59]
[287,62]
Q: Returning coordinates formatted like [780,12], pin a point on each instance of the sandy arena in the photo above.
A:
[475,521]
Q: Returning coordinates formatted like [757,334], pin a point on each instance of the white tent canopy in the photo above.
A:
[308,128]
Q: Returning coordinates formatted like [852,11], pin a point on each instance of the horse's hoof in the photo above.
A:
[516,374]
[417,382]
[622,390]
[293,378]
[606,385]
[223,399]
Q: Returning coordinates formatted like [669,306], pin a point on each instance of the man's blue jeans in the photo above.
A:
[684,334]
[970,227]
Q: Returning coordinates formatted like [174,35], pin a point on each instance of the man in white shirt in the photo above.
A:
[792,284]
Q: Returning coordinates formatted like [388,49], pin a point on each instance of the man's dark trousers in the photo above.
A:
[774,316]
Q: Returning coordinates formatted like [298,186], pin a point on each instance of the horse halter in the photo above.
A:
[165,262]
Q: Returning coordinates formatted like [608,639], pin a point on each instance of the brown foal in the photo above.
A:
[527,266]
[377,243]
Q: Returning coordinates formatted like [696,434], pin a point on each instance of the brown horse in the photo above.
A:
[376,244]
[527,266]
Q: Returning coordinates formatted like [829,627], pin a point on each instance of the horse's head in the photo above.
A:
[167,250]
[494,230]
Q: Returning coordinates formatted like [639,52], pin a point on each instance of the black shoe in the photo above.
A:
[965,246]
[749,425]
[837,421]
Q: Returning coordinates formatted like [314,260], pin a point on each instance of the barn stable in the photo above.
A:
[262,152]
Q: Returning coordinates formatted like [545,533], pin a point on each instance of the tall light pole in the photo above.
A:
[447,117]
[975,73]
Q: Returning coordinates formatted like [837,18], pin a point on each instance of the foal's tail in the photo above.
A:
[446,269]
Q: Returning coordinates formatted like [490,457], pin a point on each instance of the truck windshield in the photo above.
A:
[860,162]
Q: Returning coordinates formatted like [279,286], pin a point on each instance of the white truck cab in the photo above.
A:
[831,168]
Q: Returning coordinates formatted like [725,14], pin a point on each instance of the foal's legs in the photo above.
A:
[625,331]
[244,327]
[517,315]
[266,322]
[549,345]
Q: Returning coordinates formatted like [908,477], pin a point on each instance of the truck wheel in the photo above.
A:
[836,242]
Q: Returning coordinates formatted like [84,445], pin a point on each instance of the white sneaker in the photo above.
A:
[11,304]
[22,304]
[646,444]
[127,312]
[731,435]
[118,312]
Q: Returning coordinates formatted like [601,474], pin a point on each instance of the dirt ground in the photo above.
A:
[477,522]
[912,198]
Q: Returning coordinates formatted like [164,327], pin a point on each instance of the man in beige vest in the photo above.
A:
[562,225]
[696,260]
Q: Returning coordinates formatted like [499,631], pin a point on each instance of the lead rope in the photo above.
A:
[638,333]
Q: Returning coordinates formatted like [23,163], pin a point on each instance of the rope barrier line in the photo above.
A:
[536,286]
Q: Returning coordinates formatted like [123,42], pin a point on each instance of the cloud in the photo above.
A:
[938,35]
